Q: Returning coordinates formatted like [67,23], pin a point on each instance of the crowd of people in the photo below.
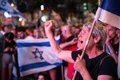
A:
[100,60]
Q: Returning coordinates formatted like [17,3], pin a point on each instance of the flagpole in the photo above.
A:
[13,24]
[83,52]
[62,71]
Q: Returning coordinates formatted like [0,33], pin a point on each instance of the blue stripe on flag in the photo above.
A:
[36,65]
[5,6]
[35,44]
[3,10]
[112,6]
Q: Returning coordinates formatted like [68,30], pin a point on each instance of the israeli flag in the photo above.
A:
[5,7]
[36,55]
[109,12]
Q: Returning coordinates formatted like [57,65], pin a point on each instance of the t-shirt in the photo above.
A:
[103,64]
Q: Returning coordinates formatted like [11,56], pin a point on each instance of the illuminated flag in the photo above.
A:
[109,12]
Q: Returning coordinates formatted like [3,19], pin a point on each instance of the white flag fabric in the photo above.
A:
[109,12]
[36,55]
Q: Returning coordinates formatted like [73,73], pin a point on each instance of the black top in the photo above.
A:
[116,48]
[103,64]
[11,45]
[70,38]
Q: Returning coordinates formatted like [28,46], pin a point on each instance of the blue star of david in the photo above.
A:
[3,3]
[38,54]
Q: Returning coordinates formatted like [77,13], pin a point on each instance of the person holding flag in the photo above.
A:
[109,13]
[96,64]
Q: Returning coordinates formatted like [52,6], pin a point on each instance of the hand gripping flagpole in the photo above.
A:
[83,52]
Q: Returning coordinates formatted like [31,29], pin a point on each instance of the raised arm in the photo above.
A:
[62,54]
[112,52]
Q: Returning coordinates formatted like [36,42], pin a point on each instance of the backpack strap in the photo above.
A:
[103,59]
[98,65]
